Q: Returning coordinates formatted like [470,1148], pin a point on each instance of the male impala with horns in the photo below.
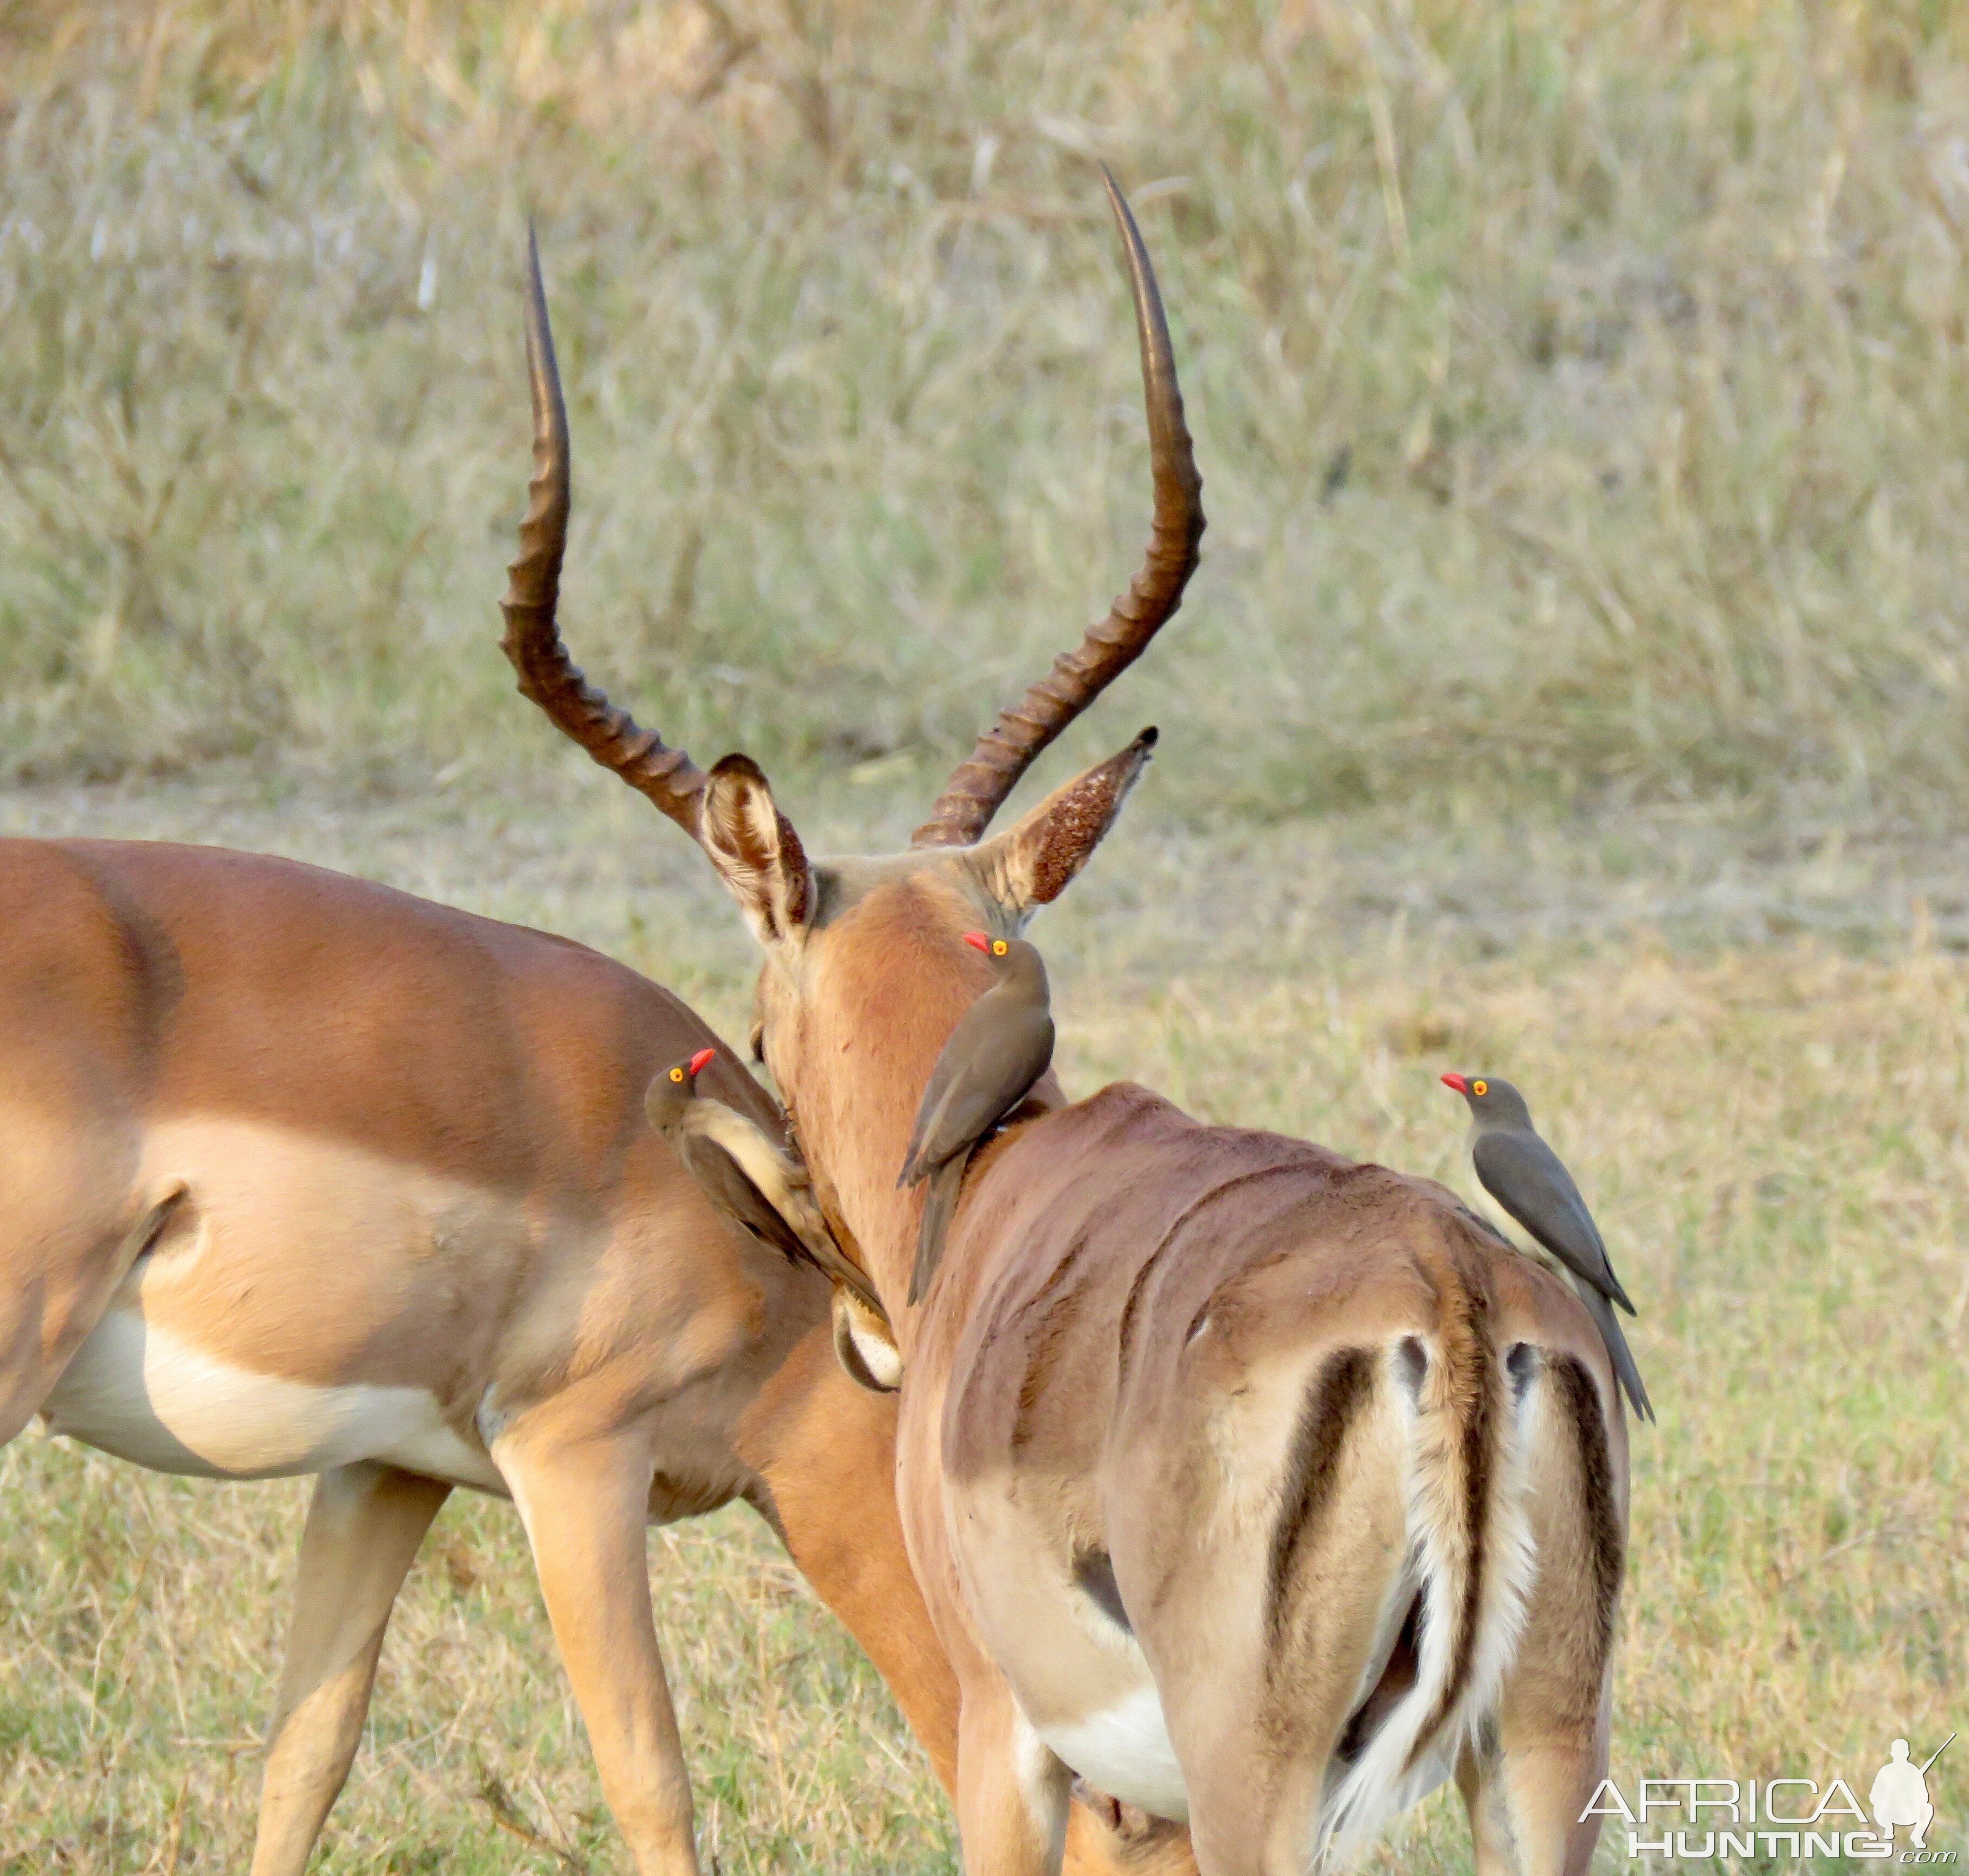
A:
[1258,1488]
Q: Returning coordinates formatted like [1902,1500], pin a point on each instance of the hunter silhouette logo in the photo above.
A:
[1899,1799]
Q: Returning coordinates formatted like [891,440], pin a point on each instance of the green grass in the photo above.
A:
[142,1623]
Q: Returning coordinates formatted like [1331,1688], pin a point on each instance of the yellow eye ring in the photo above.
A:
[1479,1089]
[999,947]
[676,1074]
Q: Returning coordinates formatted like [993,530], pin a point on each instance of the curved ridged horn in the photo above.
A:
[547,674]
[977,787]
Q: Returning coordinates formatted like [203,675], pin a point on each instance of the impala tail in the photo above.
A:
[1455,1606]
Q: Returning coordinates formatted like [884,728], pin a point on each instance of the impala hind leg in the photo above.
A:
[585,1506]
[363,1529]
[1254,1791]
[1525,1790]
[1533,1768]
[64,1249]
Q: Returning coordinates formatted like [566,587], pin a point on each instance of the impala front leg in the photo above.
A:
[585,1506]
[826,1450]
[363,1529]
[1012,1792]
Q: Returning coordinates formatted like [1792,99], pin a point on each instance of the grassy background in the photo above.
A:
[1573,689]
[1579,383]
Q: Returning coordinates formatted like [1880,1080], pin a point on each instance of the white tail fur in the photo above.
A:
[1465,1486]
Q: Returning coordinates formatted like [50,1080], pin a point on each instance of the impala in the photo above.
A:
[1258,1488]
[299,1174]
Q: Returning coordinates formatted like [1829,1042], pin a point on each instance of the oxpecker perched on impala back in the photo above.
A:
[1001,1045]
[1530,1182]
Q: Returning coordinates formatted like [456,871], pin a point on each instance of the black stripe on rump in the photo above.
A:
[1342,1386]
[1580,1400]
[1472,1394]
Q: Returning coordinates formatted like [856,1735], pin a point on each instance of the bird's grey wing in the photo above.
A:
[934,1094]
[1526,1176]
[837,1267]
[723,1181]
[770,1203]
[946,1183]
[987,1068]
[780,1180]
[761,1158]
[956,1066]
[1623,1356]
[957,1089]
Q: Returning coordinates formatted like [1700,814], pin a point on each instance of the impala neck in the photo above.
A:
[883,986]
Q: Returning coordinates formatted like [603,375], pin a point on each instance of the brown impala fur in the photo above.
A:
[300,1174]
[1258,1488]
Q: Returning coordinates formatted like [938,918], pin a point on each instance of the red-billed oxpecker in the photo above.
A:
[1001,1045]
[748,1176]
[1530,1183]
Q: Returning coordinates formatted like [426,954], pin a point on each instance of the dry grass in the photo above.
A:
[1773,1136]
[142,1623]
[1578,384]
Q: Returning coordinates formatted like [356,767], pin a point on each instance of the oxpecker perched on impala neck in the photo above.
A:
[746,1174]
[1531,1184]
[1001,1045]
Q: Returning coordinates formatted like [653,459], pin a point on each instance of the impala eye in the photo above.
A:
[676,1074]
[999,947]
[1479,1089]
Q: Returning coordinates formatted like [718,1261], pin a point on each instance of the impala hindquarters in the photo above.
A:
[1256,1487]
[1274,1484]
[1259,1489]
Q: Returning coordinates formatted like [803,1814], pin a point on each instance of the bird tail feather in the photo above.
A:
[1624,1366]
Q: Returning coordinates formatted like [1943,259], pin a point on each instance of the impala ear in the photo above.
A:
[755,850]
[1030,864]
[865,1346]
